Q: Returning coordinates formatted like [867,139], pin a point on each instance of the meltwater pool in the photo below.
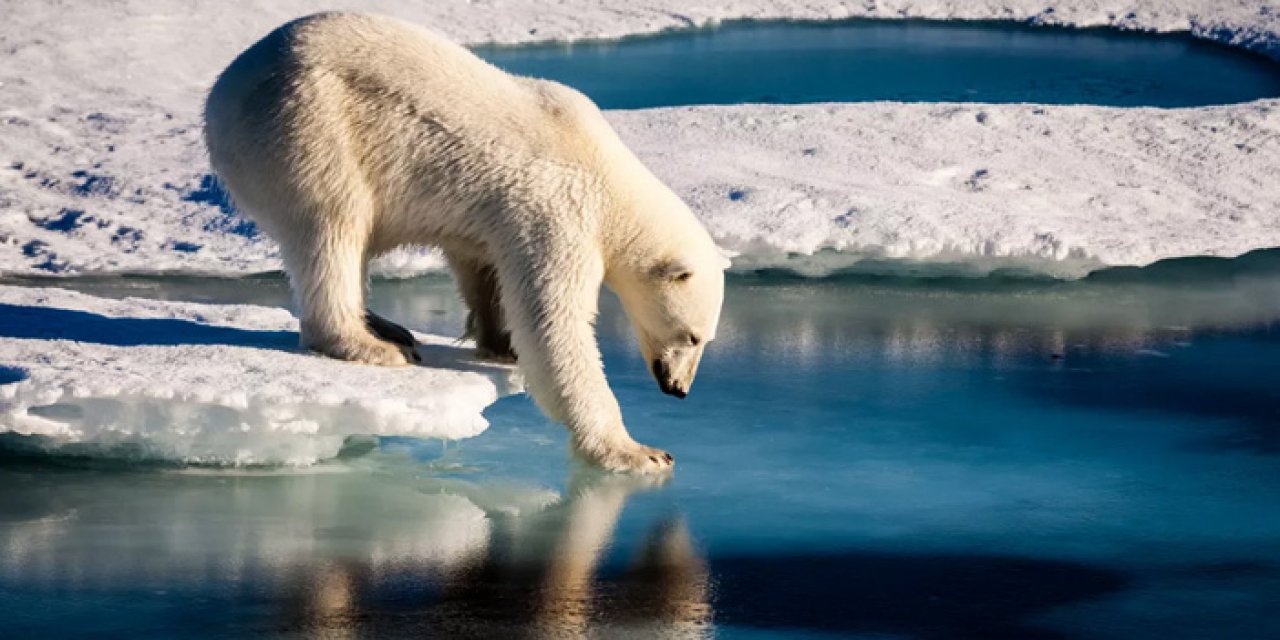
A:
[916,61]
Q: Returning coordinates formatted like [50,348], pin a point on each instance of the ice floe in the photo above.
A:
[102,168]
[1056,189]
[223,384]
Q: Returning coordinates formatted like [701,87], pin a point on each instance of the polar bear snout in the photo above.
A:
[675,369]
[666,382]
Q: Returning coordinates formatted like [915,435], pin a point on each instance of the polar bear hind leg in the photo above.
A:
[478,284]
[386,329]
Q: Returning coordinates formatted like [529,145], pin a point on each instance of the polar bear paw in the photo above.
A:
[370,350]
[632,457]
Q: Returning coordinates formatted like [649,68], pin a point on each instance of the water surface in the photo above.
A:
[859,458]
[917,61]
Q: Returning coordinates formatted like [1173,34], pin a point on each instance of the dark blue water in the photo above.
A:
[861,458]
[861,61]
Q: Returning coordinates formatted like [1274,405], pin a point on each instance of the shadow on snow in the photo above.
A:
[47,323]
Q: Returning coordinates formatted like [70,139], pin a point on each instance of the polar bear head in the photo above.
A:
[674,307]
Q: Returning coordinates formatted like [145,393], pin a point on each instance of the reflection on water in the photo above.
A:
[356,552]
[861,457]
[919,321]
[345,553]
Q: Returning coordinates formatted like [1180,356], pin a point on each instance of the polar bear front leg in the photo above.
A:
[550,304]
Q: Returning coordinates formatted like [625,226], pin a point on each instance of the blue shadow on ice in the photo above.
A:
[211,192]
[10,375]
[45,323]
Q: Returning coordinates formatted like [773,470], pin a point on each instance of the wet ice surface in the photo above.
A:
[868,458]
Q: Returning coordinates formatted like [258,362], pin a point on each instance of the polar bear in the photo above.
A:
[344,136]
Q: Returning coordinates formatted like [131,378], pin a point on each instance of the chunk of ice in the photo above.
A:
[222,384]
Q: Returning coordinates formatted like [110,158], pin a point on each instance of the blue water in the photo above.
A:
[859,458]
[864,60]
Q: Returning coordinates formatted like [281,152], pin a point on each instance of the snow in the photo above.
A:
[1050,188]
[102,168]
[221,384]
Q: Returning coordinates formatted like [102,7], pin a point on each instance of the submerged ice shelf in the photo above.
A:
[222,384]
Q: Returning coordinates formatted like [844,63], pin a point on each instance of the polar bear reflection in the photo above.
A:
[536,577]
[351,553]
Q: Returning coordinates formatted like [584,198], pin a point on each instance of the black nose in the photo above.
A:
[660,373]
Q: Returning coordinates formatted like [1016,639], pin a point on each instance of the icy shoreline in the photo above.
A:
[219,384]
[102,168]
[1059,190]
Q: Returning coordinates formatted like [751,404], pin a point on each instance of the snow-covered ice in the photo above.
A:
[1060,189]
[215,383]
[102,167]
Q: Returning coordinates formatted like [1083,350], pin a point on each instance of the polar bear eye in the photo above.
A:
[671,271]
[694,340]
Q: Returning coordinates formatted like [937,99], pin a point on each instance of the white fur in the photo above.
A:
[345,136]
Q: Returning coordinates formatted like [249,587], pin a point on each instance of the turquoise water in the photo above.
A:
[859,458]
[859,61]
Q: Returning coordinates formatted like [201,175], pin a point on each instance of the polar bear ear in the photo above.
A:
[674,270]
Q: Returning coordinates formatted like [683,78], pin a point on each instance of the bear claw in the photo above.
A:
[633,458]
[395,334]
[410,353]
[388,330]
